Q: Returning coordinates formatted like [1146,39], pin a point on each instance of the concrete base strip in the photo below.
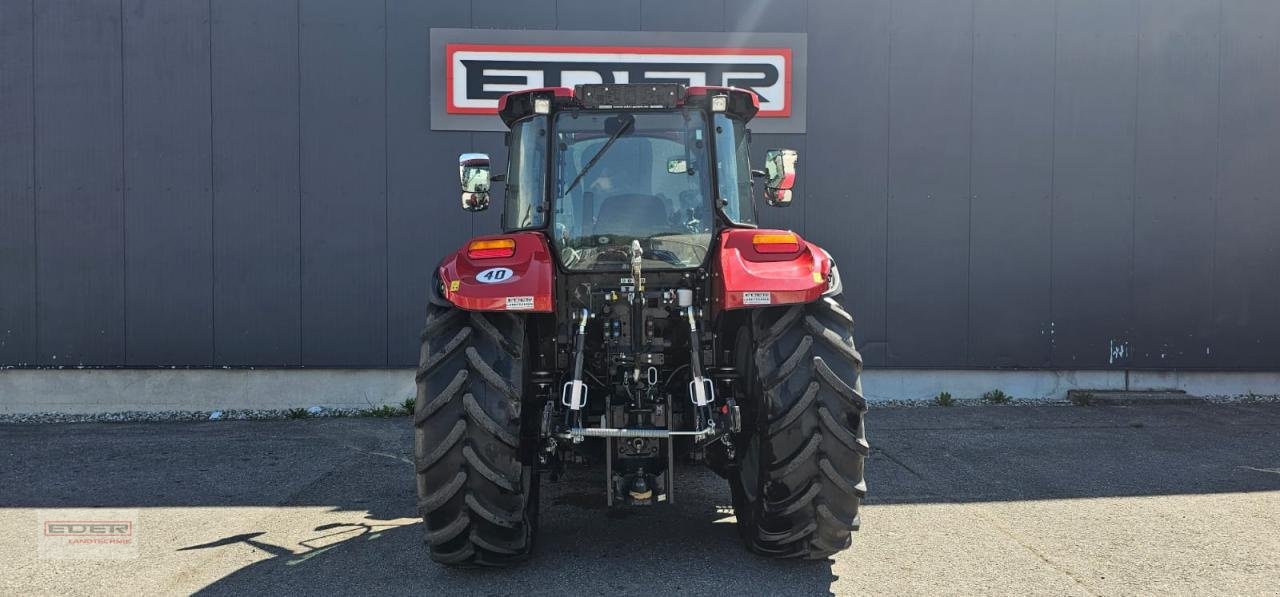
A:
[83,391]
[88,391]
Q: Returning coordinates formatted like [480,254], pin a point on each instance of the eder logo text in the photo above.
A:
[471,69]
[479,74]
[105,528]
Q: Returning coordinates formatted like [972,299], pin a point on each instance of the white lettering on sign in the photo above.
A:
[494,275]
[757,298]
[519,303]
[479,74]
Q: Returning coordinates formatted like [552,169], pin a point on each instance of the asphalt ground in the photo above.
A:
[1177,499]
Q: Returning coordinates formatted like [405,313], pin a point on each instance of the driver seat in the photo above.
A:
[632,214]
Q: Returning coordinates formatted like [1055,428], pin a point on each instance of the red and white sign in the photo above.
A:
[478,74]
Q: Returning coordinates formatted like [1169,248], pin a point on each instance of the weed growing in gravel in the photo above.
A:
[408,405]
[944,399]
[1080,398]
[297,413]
[995,397]
[384,411]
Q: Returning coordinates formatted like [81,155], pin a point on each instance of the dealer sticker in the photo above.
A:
[757,298]
[519,303]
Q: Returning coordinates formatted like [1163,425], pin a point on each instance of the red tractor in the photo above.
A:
[631,315]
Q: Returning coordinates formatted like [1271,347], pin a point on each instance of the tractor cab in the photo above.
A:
[606,166]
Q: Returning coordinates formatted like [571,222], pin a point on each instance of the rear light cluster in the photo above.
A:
[776,243]
[491,249]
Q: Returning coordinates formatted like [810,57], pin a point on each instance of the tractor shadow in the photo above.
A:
[328,505]
[332,510]
[582,548]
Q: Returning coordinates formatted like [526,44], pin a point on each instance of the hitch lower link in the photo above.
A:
[701,392]
[574,394]
[701,389]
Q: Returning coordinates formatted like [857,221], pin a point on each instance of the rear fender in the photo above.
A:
[521,282]
[749,278]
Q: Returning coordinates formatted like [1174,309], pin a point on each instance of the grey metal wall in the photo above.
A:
[1004,183]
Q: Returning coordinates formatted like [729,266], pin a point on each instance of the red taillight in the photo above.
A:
[776,243]
[491,249]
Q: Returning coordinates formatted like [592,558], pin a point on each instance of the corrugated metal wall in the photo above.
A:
[1005,183]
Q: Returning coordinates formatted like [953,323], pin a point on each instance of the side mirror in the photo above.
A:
[780,175]
[473,175]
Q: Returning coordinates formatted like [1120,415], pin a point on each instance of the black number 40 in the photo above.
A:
[494,275]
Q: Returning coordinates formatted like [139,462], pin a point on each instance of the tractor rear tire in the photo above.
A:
[478,498]
[799,480]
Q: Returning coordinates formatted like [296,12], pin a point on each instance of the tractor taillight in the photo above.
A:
[491,249]
[776,243]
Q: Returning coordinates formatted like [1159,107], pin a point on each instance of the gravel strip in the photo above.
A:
[316,412]
[189,415]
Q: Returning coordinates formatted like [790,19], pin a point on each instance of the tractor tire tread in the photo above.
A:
[447,532]
[481,322]
[808,432]
[444,397]
[802,456]
[790,364]
[458,341]
[434,500]
[486,470]
[491,375]
[844,436]
[793,413]
[492,514]
[455,435]
[477,496]
[478,416]
[793,505]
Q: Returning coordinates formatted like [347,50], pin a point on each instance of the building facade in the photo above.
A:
[1030,184]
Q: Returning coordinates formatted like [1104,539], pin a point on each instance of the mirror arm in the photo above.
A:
[498,178]
[759,174]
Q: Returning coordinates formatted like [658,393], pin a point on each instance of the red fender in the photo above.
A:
[522,281]
[785,274]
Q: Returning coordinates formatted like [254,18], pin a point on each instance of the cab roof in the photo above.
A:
[742,103]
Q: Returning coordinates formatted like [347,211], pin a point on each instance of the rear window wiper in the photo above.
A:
[595,158]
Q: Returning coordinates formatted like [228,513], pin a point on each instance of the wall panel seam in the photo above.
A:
[386,180]
[124,198]
[301,272]
[888,178]
[35,194]
[1217,189]
[1053,184]
[1133,191]
[213,207]
[968,278]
